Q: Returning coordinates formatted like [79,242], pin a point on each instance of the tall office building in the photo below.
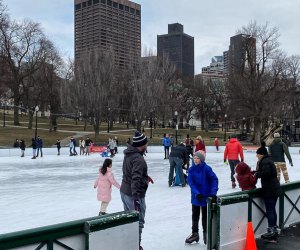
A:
[107,24]
[241,53]
[216,66]
[179,47]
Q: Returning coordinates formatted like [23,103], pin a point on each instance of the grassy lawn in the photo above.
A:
[68,127]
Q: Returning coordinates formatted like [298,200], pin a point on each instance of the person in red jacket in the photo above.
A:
[232,152]
[245,177]
[199,144]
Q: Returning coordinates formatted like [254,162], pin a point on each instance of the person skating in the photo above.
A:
[217,143]
[167,145]
[203,183]
[58,146]
[33,145]
[277,150]
[135,178]
[270,191]
[104,184]
[232,152]
[39,146]
[22,147]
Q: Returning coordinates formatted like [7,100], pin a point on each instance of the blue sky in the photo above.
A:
[211,23]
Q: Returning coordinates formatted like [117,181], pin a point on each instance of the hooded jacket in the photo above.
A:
[104,184]
[245,177]
[233,149]
[202,180]
[135,173]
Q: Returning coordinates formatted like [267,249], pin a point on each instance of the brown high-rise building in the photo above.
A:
[107,24]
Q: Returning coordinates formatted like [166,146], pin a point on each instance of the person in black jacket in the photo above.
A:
[270,190]
[58,146]
[22,147]
[178,158]
[135,178]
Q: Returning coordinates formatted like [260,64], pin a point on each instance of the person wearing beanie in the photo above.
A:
[277,150]
[178,158]
[203,183]
[270,190]
[135,178]
[245,177]
[233,150]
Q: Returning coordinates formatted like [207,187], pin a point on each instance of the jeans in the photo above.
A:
[232,164]
[270,204]
[196,216]
[38,150]
[167,152]
[129,205]
[176,163]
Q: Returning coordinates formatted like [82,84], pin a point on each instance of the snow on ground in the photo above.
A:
[56,189]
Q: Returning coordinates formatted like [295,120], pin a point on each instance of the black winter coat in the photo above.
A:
[181,152]
[135,173]
[268,174]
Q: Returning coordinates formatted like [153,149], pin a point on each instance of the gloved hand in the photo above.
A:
[213,198]
[137,205]
[291,163]
[199,197]
[150,180]
[225,162]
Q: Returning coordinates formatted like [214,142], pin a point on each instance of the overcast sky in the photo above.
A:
[211,23]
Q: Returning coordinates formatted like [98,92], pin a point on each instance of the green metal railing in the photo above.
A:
[288,210]
[50,236]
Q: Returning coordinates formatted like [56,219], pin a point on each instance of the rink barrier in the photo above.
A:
[86,234]
[228,218]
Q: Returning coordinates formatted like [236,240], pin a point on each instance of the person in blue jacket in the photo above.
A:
[167,144]
[203,183]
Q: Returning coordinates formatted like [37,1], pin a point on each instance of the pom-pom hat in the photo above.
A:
[139,139]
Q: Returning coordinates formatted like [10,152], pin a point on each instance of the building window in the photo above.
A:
[89,2]
[115,5]
[83,4]
[121,6]
[103,1]
[138,12]
[109,2]
[78,6]
[126,8]
[132,10]
[96,1]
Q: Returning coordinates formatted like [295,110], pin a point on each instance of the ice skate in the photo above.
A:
[233,184]
[193,237]
[271,236]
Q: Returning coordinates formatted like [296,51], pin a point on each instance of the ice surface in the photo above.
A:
[56,189]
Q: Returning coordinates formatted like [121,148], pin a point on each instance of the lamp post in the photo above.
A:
[176,128]
[36,115]
[151,123]
[225,116]
[108,117]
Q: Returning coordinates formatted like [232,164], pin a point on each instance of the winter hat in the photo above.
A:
[200,154]
[262,150]
[233,136]
[199,138]
[242,168]
[276,135]
[139,139]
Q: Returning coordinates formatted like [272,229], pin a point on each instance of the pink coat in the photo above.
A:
[104,184]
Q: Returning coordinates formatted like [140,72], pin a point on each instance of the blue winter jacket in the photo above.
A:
[167,142]
[202,180]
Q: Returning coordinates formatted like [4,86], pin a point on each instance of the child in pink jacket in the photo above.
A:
[104,183]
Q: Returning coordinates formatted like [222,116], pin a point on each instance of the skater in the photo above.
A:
[217,143]
[270,191]
[88,142]
[135,179]
[74,146]
[203,183]
[39,146]
[104,183]
[232,151]
[189,144]
[199,144]
[111,145]
[81,146]
[277,151]
[166,144]
[22,147]
[245,177]
[16,143]
[116,144]
[33,145]
[178,158]
[71,146]
[58,146]
[128,142]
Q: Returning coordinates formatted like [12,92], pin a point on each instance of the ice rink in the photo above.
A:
[56,189]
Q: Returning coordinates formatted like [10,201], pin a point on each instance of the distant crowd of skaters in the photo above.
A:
[36,144]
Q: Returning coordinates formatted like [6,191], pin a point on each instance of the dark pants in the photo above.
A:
[38,150]
[176,163]
[196,216]
[167,152]
[270,204]
[232,164]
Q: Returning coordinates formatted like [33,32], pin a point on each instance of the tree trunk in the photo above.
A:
[257,130]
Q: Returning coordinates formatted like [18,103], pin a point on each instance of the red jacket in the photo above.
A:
[233,149]
[245,177]
[200,146]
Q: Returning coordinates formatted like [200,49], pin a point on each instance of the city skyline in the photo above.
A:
[210,23]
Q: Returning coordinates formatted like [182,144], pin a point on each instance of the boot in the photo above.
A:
[204,237]
[270,233]
[233,184]
[33,157]
[193,237]
[101,213]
